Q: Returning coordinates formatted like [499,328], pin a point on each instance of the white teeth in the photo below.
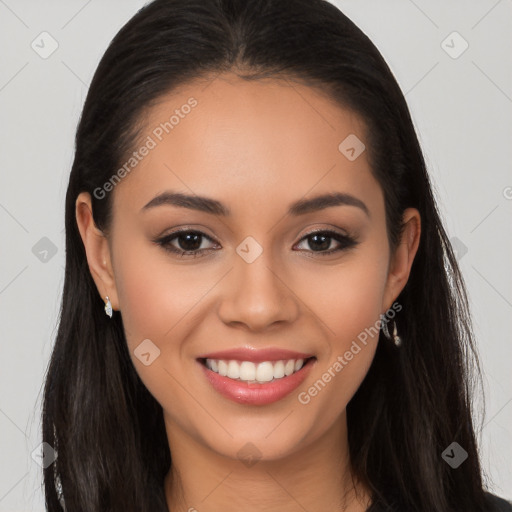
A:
[223,368]
[247,371]
[233,370]
[254,372]
[278,370]
[289,367]
[265,372]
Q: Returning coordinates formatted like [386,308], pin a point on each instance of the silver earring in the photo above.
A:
[396,339]
[108,307]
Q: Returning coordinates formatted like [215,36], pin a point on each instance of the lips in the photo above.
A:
[225,372]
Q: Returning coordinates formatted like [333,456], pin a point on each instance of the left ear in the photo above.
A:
[401,261]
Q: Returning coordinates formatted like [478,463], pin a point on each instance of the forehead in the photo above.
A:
[231,113]
[263,140]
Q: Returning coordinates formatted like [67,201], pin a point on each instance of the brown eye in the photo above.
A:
[320,241]
[189,241]
[185,242]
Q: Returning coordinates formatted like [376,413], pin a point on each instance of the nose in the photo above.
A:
[258,297]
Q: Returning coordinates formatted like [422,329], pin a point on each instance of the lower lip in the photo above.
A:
[257,394]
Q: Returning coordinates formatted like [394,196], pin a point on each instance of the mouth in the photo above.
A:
[255,383]
[255,373]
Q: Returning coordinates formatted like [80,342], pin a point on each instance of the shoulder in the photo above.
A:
[497,504]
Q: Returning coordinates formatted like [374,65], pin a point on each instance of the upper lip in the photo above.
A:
[256,355]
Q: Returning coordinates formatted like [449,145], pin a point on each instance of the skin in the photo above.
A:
[256,147]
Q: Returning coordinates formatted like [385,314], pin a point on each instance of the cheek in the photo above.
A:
[352,316]
[154,295]
[348,303]
[161,301]
[347,298]
[157,302]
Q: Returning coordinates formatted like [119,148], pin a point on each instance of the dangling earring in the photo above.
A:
[396,339]
[108,307]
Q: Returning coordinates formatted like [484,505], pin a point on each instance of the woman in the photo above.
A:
[284,325]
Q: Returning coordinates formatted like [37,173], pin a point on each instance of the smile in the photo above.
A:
[247,371]
[255,383]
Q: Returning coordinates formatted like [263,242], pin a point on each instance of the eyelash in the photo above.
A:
[345,241]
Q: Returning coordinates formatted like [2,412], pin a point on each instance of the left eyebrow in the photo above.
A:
[212,206]
[326,201]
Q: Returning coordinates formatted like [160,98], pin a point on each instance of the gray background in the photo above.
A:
[461,106]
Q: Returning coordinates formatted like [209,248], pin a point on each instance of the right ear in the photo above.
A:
[97,250]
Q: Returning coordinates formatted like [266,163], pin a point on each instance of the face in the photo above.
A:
[260,268]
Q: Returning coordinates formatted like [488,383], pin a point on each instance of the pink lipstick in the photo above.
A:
[256,376]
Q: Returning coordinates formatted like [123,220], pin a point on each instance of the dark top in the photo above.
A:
[496,505]
[500,504]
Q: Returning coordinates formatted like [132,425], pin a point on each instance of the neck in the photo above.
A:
[318,477]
